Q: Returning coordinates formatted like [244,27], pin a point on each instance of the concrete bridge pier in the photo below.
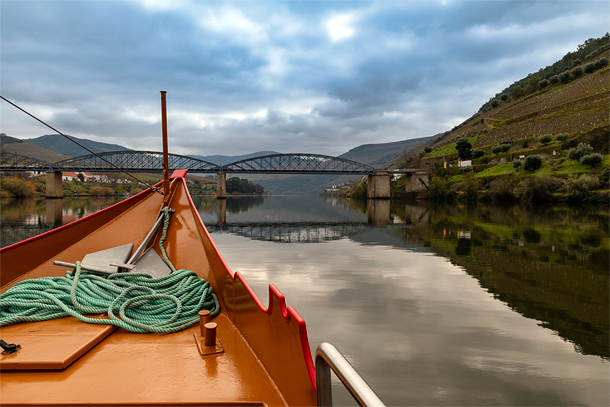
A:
[414,181]
[378,185]
[54,185]
[378,212]
[221,186]
[221,212]
[54,211]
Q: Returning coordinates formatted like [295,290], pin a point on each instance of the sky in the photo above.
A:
[317,77]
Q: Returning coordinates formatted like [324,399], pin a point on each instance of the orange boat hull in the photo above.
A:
[265,358]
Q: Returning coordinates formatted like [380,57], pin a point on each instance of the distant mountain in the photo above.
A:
[59,144]
[378,155]
[17,146]
[227,159]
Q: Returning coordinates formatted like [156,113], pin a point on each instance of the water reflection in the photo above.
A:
[549,264]
[22,219]
[433,304]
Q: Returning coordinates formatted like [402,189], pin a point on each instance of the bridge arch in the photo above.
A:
[297,163]
[135,161]
[16,162]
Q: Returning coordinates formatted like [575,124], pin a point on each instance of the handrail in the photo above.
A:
[328,357]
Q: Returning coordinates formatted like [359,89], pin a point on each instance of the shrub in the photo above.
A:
[554,79]
[579,188]
[600,63]
[545,139]
[17,187]
[101,191]
[524,145]
[576,153]
[478,153]
[501,190]
[576,72]
[438,188]
[427,149]
[562,137]
[538,188]
[516,91]
[591,159]
[516,164]
[532,163]
[494,103]
[590,67]
[501,148]
[543,83]
[564,77]
[504,97]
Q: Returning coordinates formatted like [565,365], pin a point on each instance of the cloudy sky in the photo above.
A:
[290,76]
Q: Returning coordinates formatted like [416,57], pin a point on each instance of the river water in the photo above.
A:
[432,304]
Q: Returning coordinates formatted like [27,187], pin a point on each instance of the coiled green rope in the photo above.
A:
[143,303]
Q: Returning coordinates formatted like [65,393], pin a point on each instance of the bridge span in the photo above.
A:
[152,162]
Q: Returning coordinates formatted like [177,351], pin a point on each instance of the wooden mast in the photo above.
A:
[165,152]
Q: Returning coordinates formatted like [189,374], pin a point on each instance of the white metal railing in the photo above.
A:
[328,357]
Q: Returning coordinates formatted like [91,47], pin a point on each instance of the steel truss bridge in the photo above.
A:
[151,162]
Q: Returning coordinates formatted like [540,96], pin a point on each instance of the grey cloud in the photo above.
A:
[410,69]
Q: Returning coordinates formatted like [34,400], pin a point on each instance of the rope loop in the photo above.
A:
[136,302]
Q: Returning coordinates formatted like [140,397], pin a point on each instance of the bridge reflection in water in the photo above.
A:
[292,232]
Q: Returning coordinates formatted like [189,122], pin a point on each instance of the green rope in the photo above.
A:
[143,303]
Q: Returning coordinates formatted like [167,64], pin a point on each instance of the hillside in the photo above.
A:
[22,147]
[542,118]
[574,102]
[227,159]
[378,155]
[59,144]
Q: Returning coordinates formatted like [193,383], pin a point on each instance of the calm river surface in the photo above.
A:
[433,304]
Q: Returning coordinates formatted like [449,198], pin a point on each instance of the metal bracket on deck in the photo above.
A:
[206,340]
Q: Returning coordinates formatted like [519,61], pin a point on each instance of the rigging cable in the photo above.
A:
[85,148]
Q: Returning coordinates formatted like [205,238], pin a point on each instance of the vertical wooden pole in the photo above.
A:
[165,152]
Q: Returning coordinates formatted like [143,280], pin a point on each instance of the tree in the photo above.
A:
[463,148]
[545,139]
[590,67]
[81,176]
[236,185]
[576,153]
[576,72]
[516,91]
[600,63]
[532,163]
[591,159]
[478,153]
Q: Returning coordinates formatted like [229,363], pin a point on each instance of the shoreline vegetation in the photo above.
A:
[20,185]
[543,139]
